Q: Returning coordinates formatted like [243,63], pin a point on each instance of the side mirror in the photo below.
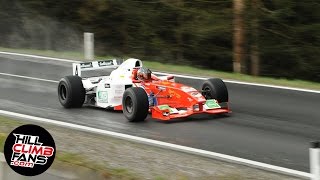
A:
[170,77]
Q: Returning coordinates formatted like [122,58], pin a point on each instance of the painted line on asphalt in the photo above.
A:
[164,145]
[40,57]
[240,82]
[28,77]
[177,75]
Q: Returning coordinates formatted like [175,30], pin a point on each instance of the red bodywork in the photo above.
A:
[185,99]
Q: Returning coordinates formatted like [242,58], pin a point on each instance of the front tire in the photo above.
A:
[71,92]
[135,104]
[214,88]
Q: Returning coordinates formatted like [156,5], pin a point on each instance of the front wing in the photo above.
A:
[165,112]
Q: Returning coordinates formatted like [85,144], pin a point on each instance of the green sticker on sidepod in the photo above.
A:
[103,96]
[212,104]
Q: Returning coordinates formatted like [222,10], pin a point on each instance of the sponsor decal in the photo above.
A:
[118,91]
[117,97]
[165,107]
[212,104]
[196,94]
[161,88]
[103,96]
[165,82]
[117,86]
[29,150]
[86,65]
[105,63]
[174,93]
[187,89]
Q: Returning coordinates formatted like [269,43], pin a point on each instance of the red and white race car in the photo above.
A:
[136,91]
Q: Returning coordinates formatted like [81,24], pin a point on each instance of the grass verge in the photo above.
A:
[72,159]
[183,69]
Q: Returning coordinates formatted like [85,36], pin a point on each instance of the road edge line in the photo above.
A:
[241,82]
[38,56]
[28,77]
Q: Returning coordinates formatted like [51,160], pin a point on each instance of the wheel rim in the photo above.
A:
[129,104]
[207,93]
[63,92]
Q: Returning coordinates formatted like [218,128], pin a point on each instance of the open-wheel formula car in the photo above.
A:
[136,91]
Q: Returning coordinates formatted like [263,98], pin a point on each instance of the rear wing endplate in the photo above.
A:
[77,68]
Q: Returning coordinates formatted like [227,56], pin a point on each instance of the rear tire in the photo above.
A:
[71,92]
[135,104]
[214,88]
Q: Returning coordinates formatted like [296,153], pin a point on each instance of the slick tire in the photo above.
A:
[71,92]
[215,88]
[135,104]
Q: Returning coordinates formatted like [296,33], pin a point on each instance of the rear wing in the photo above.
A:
[77,68]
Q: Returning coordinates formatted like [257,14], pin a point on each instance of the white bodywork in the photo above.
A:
[107,91]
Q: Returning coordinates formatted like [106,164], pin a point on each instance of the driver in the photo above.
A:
[144,74]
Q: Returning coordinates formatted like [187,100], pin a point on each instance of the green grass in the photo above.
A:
[183,69]
[105,172]
[230,177]
[3,137]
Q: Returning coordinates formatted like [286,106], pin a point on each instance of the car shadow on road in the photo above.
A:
[192,118]
[109,110]
[195,118]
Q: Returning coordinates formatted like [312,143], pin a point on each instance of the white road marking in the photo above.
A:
[190,150]
[28,77]
[177,75]
[40,57]
[242,83]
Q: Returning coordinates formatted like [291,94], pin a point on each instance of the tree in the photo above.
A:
[238,36]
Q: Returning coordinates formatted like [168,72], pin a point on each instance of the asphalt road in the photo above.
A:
[269,125]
